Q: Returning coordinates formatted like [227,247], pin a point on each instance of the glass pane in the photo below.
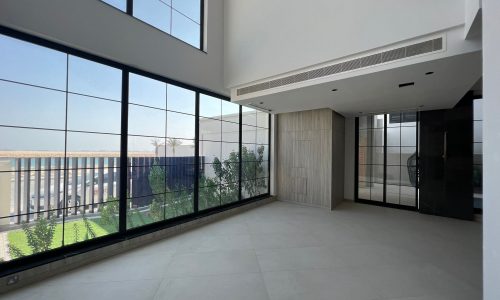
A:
[394,120]
[32,64]
[393,136]
[185,29]
[210,129]
[478,131]
[408,196]
[378,137]
[147,91]
[209,175]
[180,100]
[210,107]
[249,170]
[230,112]
[180,126]
[190,8]
[265,151]
[364,122]
[229,193]
[478,109]
[179,203]
[93,144]
[180,148]
[145,210]
[377,157]
[105,115]
[478,153]
[249,152]
[364,190]
[249,116]
[180,176]
[365,137]
[18,245]
[209,151]
[263,119]
[263,169]
[147,180]
[230,152]
[393,175]
[378,121]
[377,174]
[392,193]
[262,136]
[155,13]
[209,197]
[408,156]
[230,173]
[94,79]
[17,141]
[393,156]
[408,176]
[31,107]
[144,147]
[248,134]
[146,121]
[409,136]
[230,132]
[120,4]
[377,192]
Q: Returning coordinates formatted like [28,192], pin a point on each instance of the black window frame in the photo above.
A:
[35,260]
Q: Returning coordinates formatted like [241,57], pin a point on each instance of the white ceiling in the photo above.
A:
[379,91]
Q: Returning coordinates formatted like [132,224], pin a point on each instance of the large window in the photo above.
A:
[179,18]
[387,156]
[73,170]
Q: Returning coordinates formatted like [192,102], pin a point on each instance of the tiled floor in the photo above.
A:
[287,251]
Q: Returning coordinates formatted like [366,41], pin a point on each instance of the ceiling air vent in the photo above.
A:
[358,63]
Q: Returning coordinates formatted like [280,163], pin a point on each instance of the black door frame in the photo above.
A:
[356,169]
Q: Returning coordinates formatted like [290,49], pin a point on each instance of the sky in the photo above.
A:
[33,85]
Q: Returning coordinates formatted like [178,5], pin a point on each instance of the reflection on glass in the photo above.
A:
[209,151]
[93,144]
[230,132]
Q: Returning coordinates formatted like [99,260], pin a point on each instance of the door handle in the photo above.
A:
[445,145]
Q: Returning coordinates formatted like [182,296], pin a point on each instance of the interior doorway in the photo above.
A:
[387,159]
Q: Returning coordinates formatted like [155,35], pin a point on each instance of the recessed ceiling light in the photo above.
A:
[429,73]
[420,106]
[261,102]
[406,84]
[334,90]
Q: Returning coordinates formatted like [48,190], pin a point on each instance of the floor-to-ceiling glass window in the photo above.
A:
[371,158]
[387,158]
[254,152]
[66,177]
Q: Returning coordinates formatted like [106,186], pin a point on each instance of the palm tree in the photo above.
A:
[173,143]
[157,143]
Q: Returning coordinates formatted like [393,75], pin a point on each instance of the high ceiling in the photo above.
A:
[380,92]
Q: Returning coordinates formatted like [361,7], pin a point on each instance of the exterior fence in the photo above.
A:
[50,185]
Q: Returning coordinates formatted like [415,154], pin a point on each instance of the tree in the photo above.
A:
[157,143]
[172,142]
[38,236]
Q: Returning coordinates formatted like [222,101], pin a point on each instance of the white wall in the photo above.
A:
[100,29]
[491,144]
[472,9]
[264,38]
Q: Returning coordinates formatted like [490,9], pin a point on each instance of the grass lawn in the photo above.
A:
[18,238]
